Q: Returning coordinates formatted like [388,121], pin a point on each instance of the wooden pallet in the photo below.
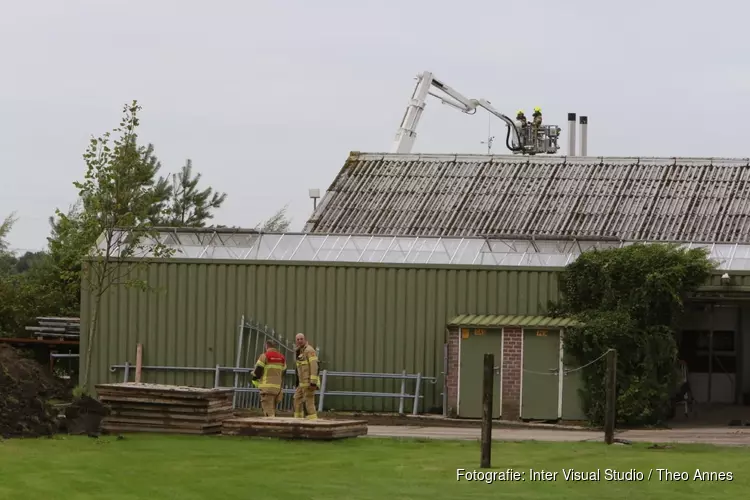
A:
[163,408]
[162,416]
[166,391]
[294,428]
[171,409]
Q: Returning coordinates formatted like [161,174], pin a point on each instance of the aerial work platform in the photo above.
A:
[294,428]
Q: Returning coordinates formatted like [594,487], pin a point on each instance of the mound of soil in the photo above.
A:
[26,389]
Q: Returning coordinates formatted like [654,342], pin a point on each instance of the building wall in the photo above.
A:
[363,317]
[512,372]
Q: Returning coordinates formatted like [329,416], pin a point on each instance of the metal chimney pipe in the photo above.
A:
[571,134]
[584,121]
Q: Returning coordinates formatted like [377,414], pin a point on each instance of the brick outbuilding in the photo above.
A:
[512,366]
[508,338]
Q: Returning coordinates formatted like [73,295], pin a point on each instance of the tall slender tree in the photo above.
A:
[279,222]
[8,260]
[5,228]
[188,206]
[117,195]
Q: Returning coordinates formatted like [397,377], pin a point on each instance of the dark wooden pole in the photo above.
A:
[610,410]
[489,377]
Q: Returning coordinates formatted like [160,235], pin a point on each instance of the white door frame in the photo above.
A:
[520,384]
[561,377]
[502,368]
[458,382]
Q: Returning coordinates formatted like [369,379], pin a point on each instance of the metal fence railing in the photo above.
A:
[247,396]
[251,337]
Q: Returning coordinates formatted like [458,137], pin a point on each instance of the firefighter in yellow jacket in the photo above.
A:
[268,376]
[308,379]
[537,122]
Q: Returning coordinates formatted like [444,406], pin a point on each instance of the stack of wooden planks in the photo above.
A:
[56,328]
[164,408]
[294,428]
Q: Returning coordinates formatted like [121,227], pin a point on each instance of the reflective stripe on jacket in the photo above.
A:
[270,370]
[307,366]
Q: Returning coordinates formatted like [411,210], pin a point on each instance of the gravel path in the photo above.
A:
[721,436]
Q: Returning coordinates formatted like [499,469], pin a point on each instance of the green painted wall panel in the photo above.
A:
[472,373]
[540,384]
[368,317]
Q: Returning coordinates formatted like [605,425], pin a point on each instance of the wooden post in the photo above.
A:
[489,376]
[138,363]
[610,411]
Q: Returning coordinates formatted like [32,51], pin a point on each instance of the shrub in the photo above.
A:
[629,299]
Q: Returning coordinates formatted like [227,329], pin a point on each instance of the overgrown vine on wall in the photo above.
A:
[629,299]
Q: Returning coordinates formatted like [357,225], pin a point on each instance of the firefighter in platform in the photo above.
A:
[522,125]
[308,379]
[268,376]
[521,117]
[537,118]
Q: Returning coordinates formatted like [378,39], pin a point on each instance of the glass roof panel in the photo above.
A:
[250,245]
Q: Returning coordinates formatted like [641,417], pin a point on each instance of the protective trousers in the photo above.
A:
[304,396]
[268,401]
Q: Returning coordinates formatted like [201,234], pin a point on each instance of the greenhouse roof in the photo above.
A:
[237,244]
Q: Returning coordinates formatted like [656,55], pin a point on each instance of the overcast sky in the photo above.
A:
[268,97]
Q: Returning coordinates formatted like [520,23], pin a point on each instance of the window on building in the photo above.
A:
[695,350]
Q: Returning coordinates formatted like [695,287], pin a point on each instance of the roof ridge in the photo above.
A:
[427,156]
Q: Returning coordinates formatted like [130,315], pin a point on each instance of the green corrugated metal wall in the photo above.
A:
[363,317]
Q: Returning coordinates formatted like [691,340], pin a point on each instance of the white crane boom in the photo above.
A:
[538,140]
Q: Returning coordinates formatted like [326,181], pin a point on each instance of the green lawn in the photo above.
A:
[188,468]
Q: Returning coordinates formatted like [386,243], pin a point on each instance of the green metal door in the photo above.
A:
[541,381]
[572,406]
[475,343]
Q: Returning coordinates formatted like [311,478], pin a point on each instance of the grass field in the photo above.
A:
[192,468]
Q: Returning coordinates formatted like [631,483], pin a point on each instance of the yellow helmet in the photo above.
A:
[537,110]
[520,112]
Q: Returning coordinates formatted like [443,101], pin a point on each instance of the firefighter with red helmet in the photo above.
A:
[268,376]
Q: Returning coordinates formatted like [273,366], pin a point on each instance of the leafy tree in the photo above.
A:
[16,305]
[26,289]
[117,195]
[69,244]
[8,260]
[67,249]
[29,260]
[629,299]
[277,223]
[188,206]
[161,189]
[5,229]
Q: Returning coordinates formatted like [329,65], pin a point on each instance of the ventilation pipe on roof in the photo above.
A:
[571,134]
[584,120]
